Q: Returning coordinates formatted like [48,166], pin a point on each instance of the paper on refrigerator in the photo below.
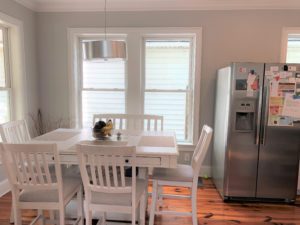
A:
[291,106]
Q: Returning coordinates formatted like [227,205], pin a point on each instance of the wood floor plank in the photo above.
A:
[211,210]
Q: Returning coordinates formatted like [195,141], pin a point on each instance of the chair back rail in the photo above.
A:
[29,166]
[15,132]
[201,149]
[132,121]
[103,167]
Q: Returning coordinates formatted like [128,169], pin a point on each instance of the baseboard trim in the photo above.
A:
[4,187]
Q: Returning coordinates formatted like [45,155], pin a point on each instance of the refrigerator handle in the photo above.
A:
[258,117]
[266,113]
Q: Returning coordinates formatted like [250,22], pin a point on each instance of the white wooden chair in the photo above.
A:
[34,187]
[15,132]
[132,121]
[105,185]
[182,176]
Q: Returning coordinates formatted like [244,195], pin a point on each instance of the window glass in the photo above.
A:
[103,89]
[168,84]
[293,48]
[2,62]
[4,84]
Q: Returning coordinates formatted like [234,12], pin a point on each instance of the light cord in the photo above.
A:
[105,20]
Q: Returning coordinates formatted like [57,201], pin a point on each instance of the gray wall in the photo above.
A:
[13,9]
[227,36]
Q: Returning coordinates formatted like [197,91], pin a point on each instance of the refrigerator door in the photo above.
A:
[280,139]
[242,149]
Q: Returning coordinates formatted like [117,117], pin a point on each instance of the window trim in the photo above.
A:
[74,34]
[284,41]
[17,66]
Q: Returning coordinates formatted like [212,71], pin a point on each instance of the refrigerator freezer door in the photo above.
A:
[280,145]
[242,149]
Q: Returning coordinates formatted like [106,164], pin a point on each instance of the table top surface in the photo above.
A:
[148,143]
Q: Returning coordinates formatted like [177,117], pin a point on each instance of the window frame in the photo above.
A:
[134,38]
[7,86]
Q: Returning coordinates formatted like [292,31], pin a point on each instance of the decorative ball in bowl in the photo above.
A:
[102,130]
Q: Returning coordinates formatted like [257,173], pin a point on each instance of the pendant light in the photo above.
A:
[104,49]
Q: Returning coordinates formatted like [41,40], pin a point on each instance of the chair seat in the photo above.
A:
[70,185]
[119,199]
[183,173]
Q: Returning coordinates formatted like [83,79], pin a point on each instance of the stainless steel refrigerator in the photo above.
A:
[257,132]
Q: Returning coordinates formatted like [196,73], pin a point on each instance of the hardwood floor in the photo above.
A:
[211,210]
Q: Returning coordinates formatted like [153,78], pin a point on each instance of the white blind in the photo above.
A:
[293,49]
[103,89]
[167,83]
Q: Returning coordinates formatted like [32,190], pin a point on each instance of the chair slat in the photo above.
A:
[93,169]
[121,163]
[16,163]
[38,168]
[114,169]
[106,169]
[24,169]
[32,176]
[100,172]
[46,168]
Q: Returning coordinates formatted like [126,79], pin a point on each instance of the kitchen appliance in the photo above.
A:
[257,138]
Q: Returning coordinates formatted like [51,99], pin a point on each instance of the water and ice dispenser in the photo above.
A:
[244,116]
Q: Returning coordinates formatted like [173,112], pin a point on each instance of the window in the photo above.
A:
[293,48]
[168,84]
[103,89]
[291,45]
[159,77]
[5,89]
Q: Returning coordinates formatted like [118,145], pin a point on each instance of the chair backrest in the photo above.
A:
[132,121]
[15,132]
[201,149]
[28,166]
[102,168]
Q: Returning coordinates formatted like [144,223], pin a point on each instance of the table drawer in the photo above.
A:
[148,161]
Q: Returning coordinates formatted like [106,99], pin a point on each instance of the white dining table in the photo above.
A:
[153,148]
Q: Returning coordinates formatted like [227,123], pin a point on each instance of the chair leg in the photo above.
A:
[153,203]
[52,214]
[143,209]
[11,219]
[62,215]
[40,212]
[80,212]
[159,196]
[103,222]
[88,215]
[17,216]
[133,215]
[194,206]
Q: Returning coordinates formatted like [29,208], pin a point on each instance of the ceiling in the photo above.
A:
[155,5]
